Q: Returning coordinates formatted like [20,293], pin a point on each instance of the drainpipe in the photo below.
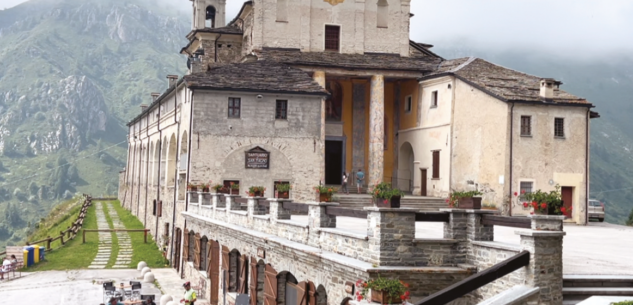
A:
[160,156]
[171,251]
[146,171]
[511,145]
[587,168]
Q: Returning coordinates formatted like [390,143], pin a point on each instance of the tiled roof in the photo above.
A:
[222,30]
[352,61]
[504,83]
[260,76]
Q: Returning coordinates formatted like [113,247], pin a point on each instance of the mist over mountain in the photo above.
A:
[72,73]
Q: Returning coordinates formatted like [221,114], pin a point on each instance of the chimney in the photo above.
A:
[155,95]
[143,107]
[172,80]
[547,87]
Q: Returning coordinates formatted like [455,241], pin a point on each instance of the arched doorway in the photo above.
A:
[171,161]
[405,167]
[182,166]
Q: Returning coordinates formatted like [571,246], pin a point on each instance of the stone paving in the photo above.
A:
[105,240]
[124,258]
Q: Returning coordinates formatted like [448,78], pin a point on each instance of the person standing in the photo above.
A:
[344,184]
[190,295]
[360,176]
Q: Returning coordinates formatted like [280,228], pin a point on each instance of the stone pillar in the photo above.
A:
[204,198]
[230,202]
[317,218]
[390,234]
[376,130]
[254,208]
[546,259]
[217,200]
[319,77]
[467,225]
[277,211]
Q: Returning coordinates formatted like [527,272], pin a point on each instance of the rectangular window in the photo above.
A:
[332,37]
[559,127]
[526,187]
[167,229]
[407,104]
[160,208]
[436,164]
[281,110]
[234,107]
[434,99]
[526,125]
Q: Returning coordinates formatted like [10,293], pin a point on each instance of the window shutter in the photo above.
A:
[241,288]
[185,251]
[436,164]
[160,208]
[214,271]
[253,287]
[225,266]
[270,286]
[196,256]
[302,293]
[312,294]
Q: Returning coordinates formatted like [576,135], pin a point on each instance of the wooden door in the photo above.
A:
[253,287]
[302,294]
[567,195]
[196,251]
[270,286]
[423,182]
[176,262]
[213,270]
[243,275]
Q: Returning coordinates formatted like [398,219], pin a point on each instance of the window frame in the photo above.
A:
[521,182]
[408,101]
[434,166]
[192,246]
[562,128]
[284,109]
[325,38]
[435,95]
[528,127]
[231,115]
[204,244]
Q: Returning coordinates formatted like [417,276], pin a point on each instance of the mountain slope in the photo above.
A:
[72,72]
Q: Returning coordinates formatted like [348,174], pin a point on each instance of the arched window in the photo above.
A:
[282,10]
[204,259]
[237,272]
[191,251]
[210,18]
[382,14]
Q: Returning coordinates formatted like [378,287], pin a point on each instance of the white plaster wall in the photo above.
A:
[542,157]
[480,149]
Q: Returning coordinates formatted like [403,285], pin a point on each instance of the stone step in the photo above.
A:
[589,291]
[597,281]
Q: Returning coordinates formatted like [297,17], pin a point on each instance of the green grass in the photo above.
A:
[60,219]
[147,252]
[74,254]
[115,239]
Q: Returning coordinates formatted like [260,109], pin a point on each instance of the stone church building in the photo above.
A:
[323,87]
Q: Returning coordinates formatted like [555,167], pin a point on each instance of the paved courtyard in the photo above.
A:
[599,248]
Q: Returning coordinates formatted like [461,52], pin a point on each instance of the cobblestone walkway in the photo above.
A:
[105,240]
[124,258]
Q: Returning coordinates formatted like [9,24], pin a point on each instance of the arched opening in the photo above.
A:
[282,10]
[204,258]
[182,166]
[156,154]
[260,280]
[177,242]
[405,167]
[210,17]
[288,288]
[163,161]
[238,272]
[150,164]
[382,14]
[321,296]
[191,246]
[171,161]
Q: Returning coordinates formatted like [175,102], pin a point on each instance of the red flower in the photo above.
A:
[384,201]
[359,298]
[515,194]
[525,204]
[523,192]
[531,213]
[447,200]
[563,210]
[543,205]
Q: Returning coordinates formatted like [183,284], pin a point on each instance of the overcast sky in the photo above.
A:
[565,27]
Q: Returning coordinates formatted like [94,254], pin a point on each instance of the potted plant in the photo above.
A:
[192,187]
[383,291]
[234,188]
[386,196]
[544,203]
[256,191]
[325,193]
[396,195]
[465,200]
[219,188]
[205,187]
[283,190]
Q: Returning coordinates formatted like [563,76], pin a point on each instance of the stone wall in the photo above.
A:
[484,255]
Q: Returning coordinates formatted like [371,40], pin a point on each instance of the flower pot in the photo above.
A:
[382,298]
[235,192]
[472,203]
[325,197]
[282,195]
[258,193]
[205,190]
[381,203]
[395,201]
[541,212]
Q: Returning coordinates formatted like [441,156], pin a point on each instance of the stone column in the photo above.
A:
[277,211]
[217,200]
[317,218]
[230,202]
[319,77]
[376,130]
[390,234]
[254,208]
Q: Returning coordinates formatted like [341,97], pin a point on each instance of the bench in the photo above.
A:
[15,268]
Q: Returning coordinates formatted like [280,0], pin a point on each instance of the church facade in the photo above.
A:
[322,87]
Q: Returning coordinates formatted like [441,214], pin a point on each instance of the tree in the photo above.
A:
[33,188]
[629,222]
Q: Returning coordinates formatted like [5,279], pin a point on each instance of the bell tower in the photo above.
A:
[208,14]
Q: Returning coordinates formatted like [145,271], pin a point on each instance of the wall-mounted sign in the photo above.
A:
[257,158]
[349,287]
[261,253]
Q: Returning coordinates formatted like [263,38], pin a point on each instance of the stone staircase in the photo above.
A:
[577,288]
[356,201]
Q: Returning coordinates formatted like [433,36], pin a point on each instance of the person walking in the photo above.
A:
[190,295]
[360,176]
[344,184]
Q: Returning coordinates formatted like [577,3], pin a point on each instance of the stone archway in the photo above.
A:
[406,170]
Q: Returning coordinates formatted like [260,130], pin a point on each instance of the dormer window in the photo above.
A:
[332,37]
